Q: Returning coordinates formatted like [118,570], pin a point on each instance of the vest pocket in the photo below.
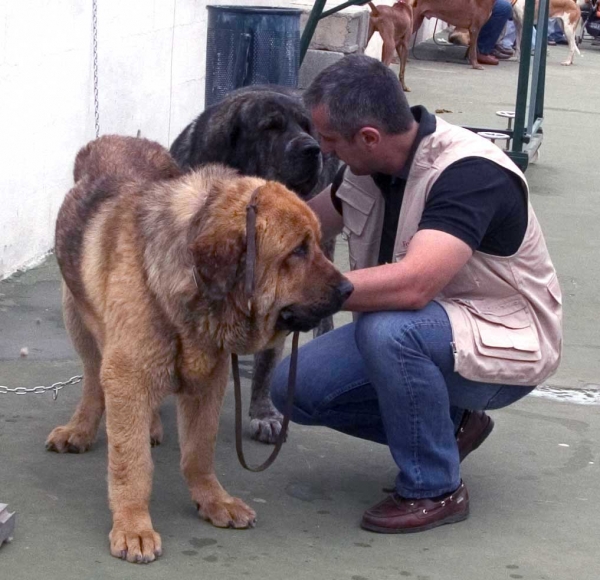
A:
[504,329]
[356,212]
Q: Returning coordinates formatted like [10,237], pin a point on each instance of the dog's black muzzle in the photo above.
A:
[302,318]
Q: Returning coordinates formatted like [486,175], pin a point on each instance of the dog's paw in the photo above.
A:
[567,63]
[68,439]
[228,512]
[135,546]
[266,428]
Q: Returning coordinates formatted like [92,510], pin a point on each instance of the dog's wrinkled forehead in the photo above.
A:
[275,112]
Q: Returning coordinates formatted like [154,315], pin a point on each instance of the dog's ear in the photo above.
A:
[218,262]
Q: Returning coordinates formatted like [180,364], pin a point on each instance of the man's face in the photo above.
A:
[354,152]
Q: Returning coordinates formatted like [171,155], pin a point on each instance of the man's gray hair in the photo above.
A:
[360,91]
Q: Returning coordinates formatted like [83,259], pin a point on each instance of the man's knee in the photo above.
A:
[377,332]
[503,8]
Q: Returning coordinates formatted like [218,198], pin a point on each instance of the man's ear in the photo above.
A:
[369,136]
[219,262]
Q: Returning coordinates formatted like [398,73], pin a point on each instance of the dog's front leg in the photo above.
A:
[128,417]
[198,421]
[265,419]
[473,53]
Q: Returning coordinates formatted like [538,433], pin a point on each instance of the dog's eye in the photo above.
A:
[301,251]
[273,123]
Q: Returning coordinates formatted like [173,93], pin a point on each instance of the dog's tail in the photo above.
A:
[373,9]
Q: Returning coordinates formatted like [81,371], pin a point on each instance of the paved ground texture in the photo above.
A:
[534,511]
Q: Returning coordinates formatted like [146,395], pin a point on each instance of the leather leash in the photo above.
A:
[286,416]
[251,210]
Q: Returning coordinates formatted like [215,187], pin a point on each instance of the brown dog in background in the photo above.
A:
[567,11]
[394,24]
[153,263]
[469,14]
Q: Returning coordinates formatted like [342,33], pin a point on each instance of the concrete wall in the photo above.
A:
[151,77]
[151,68]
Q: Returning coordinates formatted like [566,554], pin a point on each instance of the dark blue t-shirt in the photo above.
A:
[474,199]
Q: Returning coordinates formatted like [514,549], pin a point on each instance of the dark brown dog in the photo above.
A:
[153,263]
[469,14]
[394,24]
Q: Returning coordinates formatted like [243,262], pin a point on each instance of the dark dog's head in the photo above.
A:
[261,131]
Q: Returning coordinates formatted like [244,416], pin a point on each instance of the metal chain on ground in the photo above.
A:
[95,50]
[41,390]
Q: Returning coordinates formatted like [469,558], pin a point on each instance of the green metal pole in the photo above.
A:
[523,83]
[311,26]
[541,84]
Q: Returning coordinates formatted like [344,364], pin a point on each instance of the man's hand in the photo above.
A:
[432,260]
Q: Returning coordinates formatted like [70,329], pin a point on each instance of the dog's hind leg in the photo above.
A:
[569,31]
[265,419]
[80,432]
[402,50]
[472,52]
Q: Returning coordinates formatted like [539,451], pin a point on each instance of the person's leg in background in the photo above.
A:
[555,33]
[506,42]
[491,31]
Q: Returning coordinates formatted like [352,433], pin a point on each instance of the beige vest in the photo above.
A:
[505,312]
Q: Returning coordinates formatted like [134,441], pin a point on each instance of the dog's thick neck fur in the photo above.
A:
[187,206]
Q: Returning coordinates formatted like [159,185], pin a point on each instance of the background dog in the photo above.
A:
[264,131]
[469,14]
[394,24]
[154,301]
[567,11]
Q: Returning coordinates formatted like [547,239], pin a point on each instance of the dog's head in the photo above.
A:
[261,131]
[295,286]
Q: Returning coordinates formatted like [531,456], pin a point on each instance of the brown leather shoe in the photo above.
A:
[398,515]
[474,429]
[487,59]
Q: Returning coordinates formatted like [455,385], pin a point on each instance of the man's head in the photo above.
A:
[358,108]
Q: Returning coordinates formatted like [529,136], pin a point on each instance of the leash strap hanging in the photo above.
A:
[251,210]
[286,417]
[249,286]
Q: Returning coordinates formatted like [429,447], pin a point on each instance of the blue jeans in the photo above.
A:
[555,31]
[492,29]
[390,378]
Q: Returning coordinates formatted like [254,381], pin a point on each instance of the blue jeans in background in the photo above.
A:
[555,31]
[492,29]
[390,378]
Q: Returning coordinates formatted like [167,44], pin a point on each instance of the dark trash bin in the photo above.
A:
[250,45]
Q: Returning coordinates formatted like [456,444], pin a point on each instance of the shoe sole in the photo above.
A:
[449,520]
[484,435]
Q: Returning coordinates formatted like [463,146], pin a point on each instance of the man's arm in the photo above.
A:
[331,220]
[432,260]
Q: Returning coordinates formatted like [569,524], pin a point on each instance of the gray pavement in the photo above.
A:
[534,514]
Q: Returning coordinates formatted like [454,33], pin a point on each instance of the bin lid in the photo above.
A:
[256,9]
